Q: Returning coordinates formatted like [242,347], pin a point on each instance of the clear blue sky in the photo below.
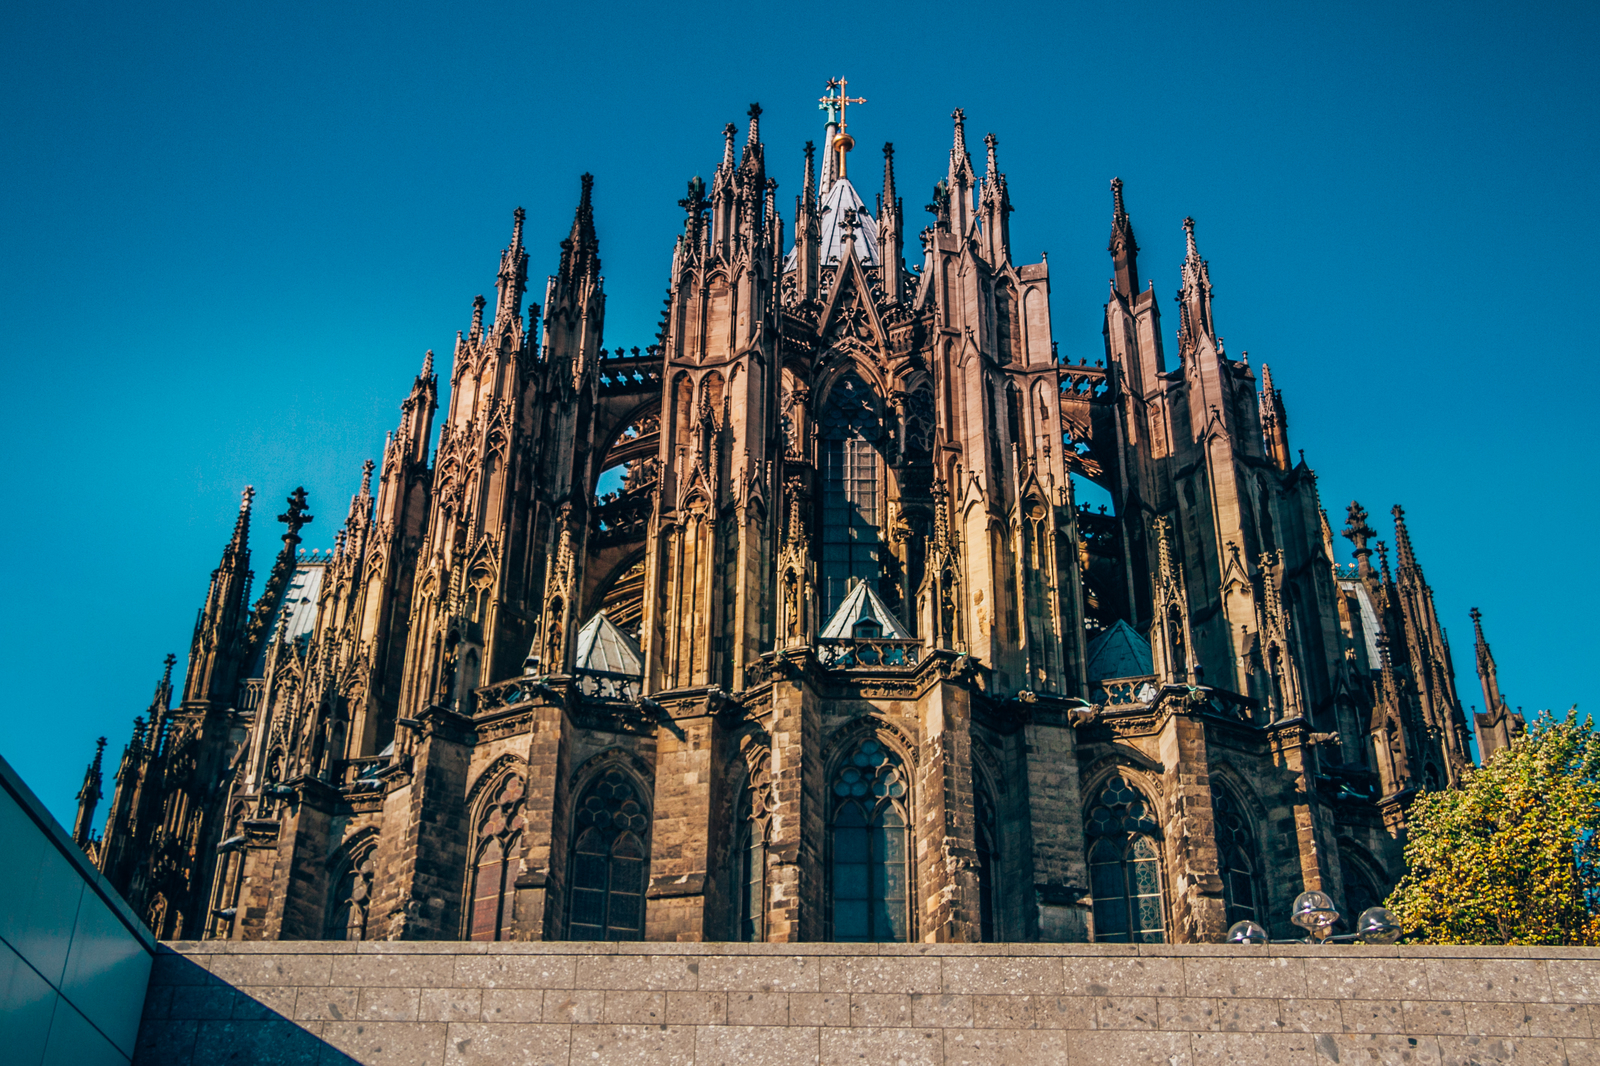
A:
[230,232]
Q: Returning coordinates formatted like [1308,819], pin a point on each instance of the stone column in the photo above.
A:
[538,909]
[1194,883]
[682,902]
[795,898]
[423,855]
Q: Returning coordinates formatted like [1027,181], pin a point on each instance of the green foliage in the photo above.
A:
[1513,856]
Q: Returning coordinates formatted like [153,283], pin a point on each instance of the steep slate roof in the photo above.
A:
[300,600]
[841,198]
[863,605]
[602,646]
[1119,652]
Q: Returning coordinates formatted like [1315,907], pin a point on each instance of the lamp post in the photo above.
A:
[1315,913]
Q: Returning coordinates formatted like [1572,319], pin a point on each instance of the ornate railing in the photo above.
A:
[1128,691]
[502,694]
[869,653]
[1080,381]
[625,372]
[605,685]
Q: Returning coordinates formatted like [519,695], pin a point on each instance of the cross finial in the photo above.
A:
[295,518]
[835,105]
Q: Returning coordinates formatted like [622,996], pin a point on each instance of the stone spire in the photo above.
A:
[89,797]
[807,232]
[891,231]
[580,252]
[995,205]
[1274,422]
[217,649]
[1195,296]
[512,280]
[961,179]
[1496,725]
[1123,248]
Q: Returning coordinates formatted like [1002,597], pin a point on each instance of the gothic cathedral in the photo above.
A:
[787,626]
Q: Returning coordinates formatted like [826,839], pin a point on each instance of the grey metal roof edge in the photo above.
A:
[36,810]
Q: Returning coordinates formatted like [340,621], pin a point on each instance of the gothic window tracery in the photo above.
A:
[1238,858]
[871,868]
[750,851]
[499,832]
[1124,866]
[609,858]
[853,511]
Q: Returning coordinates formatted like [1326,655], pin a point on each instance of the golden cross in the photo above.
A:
[837,103]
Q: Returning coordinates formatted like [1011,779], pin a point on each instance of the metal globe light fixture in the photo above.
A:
[1315,913]
[1377,926]
[1246,932]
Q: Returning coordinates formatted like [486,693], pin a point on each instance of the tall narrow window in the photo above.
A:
[984,830]
[1124,867]
[499,832]
[750,851]
[608,862]
[852,508]
[871,873]
[1236,854]
[751,855]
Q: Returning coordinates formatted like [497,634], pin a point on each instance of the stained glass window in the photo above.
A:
[871,871]
[1236,854]
[499,832]
[1124,867]
[607,871]
[852,511]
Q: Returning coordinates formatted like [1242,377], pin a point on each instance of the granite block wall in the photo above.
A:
[566,1004]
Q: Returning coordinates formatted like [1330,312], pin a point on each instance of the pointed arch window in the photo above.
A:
[499,833]
[1124,867]
[871,867]
[750,853]
[1238,858]
[988,859]
[849,428]
[609,857]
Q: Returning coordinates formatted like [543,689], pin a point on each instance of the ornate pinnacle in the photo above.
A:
[888,177]
[960,147]
[295,518]
[427,364]
[1402,538]
[1188,236]
[366,477]
[728,133]
[518,216]
[755,125]
[990,141]
[1117,210]
[1358,533]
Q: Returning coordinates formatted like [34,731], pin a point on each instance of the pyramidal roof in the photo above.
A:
[602,646]
[839,198]
[1119,652]
[863,605]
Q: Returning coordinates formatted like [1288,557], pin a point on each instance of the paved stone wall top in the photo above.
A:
[825,1004]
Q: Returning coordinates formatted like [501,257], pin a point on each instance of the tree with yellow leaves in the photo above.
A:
[1513,855]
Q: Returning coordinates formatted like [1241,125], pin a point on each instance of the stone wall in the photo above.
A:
[822,1004]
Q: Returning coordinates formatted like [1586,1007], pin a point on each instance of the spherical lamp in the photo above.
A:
[1377,926]
[1315,913]
[1246,932]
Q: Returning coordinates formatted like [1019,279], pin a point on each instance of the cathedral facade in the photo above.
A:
[787,626]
